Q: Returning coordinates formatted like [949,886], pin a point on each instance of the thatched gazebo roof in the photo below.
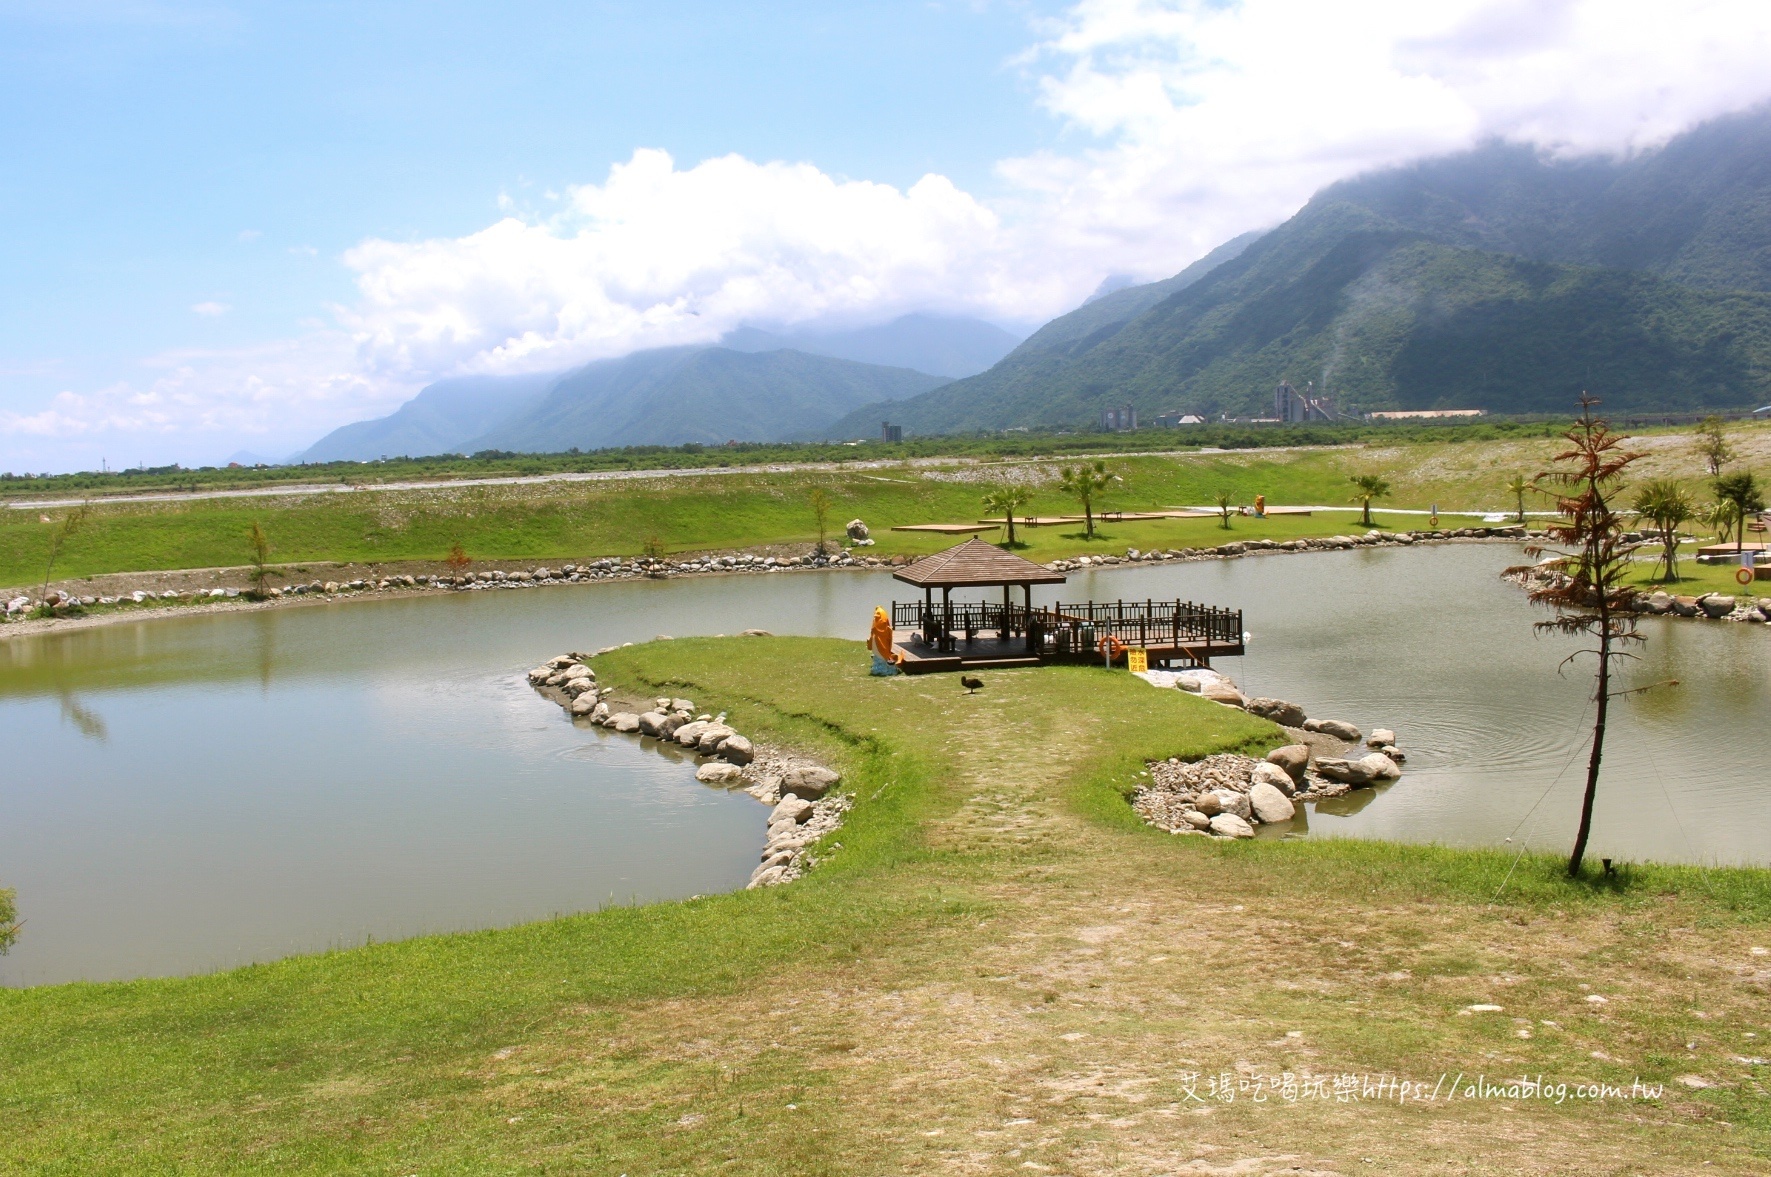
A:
[974,563]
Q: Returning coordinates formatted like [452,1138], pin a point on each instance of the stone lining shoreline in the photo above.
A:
[1707,607]
[801,792]
[229,588]
[1227,795]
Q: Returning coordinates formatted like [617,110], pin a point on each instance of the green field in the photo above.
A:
[998,968]
[560,522]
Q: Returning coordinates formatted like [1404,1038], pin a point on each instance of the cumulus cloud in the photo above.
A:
[1186,122]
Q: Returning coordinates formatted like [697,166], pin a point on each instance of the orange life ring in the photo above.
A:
[1111,646]
[1743,575]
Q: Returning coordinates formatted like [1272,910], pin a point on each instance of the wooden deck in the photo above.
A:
[1172,634]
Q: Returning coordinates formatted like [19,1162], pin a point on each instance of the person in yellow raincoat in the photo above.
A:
[879,640]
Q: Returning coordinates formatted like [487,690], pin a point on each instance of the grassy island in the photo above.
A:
[998,967]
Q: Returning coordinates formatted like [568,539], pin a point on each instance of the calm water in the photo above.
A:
[192,793]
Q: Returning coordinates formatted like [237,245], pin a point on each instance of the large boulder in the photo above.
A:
[1278,710]
[1339,729]
[737,750]
[1347,772]
[855,529]
[1380,767]
[794,809]
[584,704]
[537,676]
[1230,801]
[1685,606]
[711,736]
[625,721]
[1716,604]
[689,735]
[1196,819]
[808,781]
[1379,737]
[599,714]
[1269,804]
[1228,825]
[718,772]
[1660,602]
[1272,776]
[1220,692]
[1294,759]
[652,724]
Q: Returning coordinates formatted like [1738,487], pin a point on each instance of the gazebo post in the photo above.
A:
[946,617]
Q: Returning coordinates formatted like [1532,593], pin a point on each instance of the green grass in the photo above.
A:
[995,928]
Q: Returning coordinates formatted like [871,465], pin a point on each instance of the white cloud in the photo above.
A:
[1188,121]
[211,310]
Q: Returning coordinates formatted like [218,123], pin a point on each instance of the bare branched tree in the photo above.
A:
[1592,557]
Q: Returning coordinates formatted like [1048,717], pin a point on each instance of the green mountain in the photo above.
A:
[670,396]
[441,419]
[1496,279]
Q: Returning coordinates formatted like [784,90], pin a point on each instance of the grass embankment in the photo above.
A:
[574,521]
[998,968]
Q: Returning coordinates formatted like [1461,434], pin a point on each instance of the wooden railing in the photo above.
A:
[1075,628]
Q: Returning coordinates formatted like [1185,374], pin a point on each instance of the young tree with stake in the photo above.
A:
[820,501]
[1591,554]
[1006,500]
[1666,506]
[1517,486]
[1367,487]
[1741,491]
[59,534]
[1085,484]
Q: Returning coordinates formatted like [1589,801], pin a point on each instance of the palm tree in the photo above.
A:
[1741,491]
[1667,506]
[1085,484]
[1517,486]
[1719,517]
[1223,499]
[1007,500]
[1366,488]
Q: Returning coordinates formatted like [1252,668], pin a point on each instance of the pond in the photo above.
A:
[192,793]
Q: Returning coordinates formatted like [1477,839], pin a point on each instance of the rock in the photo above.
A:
[1685,606]
[1380,767]
[1196,819]
[1278,710]
[599,714]
[578,686]
[808,781]
[687,705]
[1293,758]
[1348,772]
[1270,805]
[1393,752]
[652,723]
[583,705]
[540,674]
[1228,825]
[1274,776]
[1716,604]
[1230,801]
[1379,737]
[625,721]
[794,809]
[1222,693]
[689,734]
[1207,803]
[1339,729]
[766,877]
[718,772]
[579,670]
[711,735]
[756,633]
[855,529]
[737,750]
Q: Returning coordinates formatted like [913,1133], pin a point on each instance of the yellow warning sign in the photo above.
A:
[1137,661]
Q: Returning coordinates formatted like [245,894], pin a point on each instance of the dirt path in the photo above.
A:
[1115,988]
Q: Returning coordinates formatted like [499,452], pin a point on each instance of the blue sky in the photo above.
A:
[228,225]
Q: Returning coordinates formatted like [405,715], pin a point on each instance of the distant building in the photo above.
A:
[1419,414]
[1176,418]
[1294,407]
[890,432]
[1120,420]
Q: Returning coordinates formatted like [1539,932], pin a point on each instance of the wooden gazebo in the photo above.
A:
[945,635]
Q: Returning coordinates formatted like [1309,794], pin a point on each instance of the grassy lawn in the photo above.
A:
[998,971]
